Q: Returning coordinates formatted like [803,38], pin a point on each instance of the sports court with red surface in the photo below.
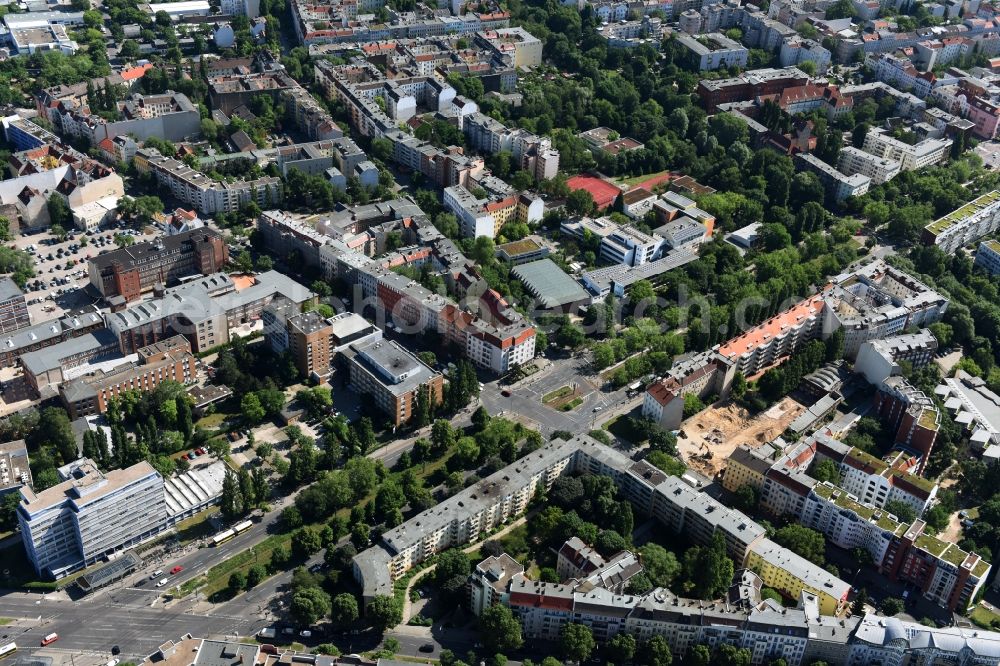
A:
[604,193]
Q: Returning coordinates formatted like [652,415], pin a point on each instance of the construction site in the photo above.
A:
[707,438]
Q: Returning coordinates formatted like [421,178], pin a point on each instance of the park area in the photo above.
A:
[710,436]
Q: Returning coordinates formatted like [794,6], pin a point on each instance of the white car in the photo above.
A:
[163,582]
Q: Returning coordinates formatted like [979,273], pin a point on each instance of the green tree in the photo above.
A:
[237,582]
[576,641]
[252,410]
[804,541]
[902,510]
[826,470]
[305,542]
[309,605]
[656,652]
[256,575]
[621,648]
[746,498]
[660,564]
[384,613]
[60,215]
[500,630]
[344,609]
[891,606]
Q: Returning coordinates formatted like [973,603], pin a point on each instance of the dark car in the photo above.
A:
[427,647]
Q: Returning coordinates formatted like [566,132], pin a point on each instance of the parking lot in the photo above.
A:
[61,269]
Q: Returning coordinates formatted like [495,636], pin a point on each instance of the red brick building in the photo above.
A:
[129,271]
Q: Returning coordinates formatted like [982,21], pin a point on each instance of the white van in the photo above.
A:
[163,581]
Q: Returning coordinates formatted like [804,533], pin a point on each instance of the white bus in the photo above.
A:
[223,537]
[7,650]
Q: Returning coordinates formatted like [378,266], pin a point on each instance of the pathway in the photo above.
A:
[408,605]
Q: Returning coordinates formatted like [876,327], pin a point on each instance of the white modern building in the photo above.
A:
[90,515]
[910,156]
[980,217]
[988,257]
[856,161]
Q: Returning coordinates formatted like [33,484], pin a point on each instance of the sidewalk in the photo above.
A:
[408,605]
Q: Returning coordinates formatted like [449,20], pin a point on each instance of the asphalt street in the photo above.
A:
[525,398]
[89,628]
[134,615]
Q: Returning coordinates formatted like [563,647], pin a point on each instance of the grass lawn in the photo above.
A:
[4,621]
[214,584]
[16,571]
[197,526]
[621,427]
[560,392]
[635,180]
[515,542]
[228,408]
[572,404]
[984,617]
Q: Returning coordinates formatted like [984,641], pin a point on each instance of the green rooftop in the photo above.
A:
[993,245]
[517,247]
[879,517]
[966,211]
[928,420]
[863,456]
[982,566]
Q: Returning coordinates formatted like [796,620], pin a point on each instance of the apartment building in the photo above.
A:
[747,86]
[88,515]
[987,257]
[488,582]
[877,169]
[129,271]
[15,468]
[880,359]
[924,153]
[945,574]
[878,301]
[912,415]
[13,307]
[169,115]
[461,518]
[394,378]
[202,310]
[486,217]
[742,619]
[748,466]
[206,195]
[792,574]
[517,43]
[167,360]
[497,338]
[900,73]
[714,51]
[838,185]
[852,514]
[700,374]
[530,151]
[477,509]
[967,224]
[778,337]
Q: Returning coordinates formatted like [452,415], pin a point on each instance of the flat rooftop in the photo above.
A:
[550,284]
